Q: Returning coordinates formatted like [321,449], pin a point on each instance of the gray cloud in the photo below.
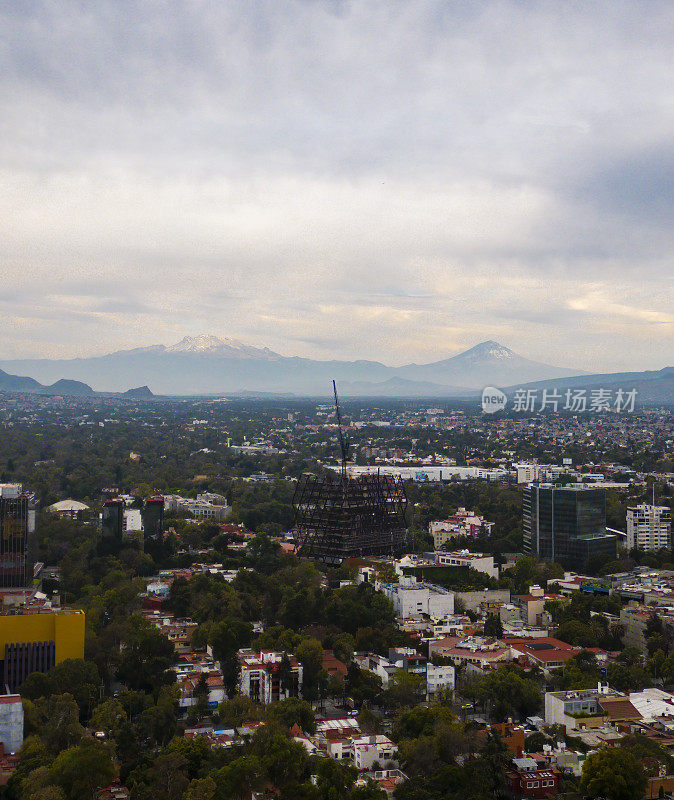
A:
[392,180]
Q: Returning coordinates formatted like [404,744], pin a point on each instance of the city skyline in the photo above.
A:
[388,181]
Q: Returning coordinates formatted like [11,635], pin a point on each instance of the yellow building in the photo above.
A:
[35,642]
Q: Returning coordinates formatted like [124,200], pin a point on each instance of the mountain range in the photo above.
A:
[209,365]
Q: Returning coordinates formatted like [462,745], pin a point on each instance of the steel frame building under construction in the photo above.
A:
[341,517]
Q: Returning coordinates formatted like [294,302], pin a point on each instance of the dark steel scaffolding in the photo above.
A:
[338,518]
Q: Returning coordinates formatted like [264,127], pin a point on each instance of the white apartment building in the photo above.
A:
[370,749]
[464,558]
[262,678]
[649,527]
[438,678]
[410,598]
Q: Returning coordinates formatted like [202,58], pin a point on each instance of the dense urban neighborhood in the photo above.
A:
[165,633]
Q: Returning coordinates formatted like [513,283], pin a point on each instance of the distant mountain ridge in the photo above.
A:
[63,386]
[208,364]
[653,387]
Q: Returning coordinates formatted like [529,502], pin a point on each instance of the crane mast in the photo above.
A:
[343,444]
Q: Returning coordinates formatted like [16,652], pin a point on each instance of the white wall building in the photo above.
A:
[648,527]
[410,598]
[207,505]
[438,678]
[262,678]
[370,749]
[464,558]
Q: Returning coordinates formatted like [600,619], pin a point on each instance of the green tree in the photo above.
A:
[201,789]
[108,717]
[614,774]
[61,728]
[81,771]
[146,657]
[293,711]
[493,626]
[493,760]
[310,654]
[404,689]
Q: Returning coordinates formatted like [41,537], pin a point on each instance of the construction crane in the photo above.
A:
[343,443]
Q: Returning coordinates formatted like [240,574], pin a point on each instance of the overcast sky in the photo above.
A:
[388,180]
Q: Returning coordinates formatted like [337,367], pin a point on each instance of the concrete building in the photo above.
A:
[635,619]
[368,750]
[207,505]
[267,677]
[531,606]
[463,523]
[480,562]
[484,600]
[649,527]
[410,598]
[439,679]
[435,678]
[11,722]
[589,708]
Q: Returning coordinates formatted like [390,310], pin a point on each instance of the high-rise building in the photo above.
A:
[112,519]
[18,537]
[649,527]
[153,518]
[565,523]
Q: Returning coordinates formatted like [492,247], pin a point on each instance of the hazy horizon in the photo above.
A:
[390,181]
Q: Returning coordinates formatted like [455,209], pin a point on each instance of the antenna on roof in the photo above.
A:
[343,444]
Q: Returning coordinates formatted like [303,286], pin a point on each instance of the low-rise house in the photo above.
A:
[476,650]
[387,779]
[513,736]
[532,605]
[589,708]
[190,687]
[480,562]
[371,750]
[544,651]
[527,779]
[436,678]
[333,666]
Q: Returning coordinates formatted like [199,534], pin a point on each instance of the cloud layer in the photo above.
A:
[390,180]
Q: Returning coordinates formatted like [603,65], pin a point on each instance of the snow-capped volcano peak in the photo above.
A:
[207,344]
[491,350]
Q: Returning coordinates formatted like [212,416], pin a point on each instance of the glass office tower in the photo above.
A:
[566,524]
